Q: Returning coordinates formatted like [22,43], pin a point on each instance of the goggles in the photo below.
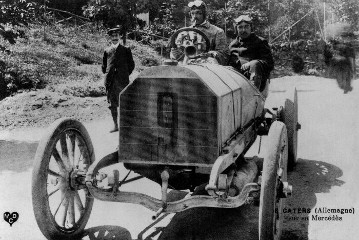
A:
[243,18]
[196,3]
[114,31]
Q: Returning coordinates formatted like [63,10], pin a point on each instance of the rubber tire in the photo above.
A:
[42,211]
[290,119]
[270,203]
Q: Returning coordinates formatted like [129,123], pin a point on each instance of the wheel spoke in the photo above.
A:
[64,211]
[71,210]
[72,137]
[101,234]
[63,196]
[54,191]
[59,161]
[54,173]
[79,156]
[78,202]
[64,150]
[84,152]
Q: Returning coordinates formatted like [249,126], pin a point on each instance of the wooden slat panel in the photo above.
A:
[193,135]
[167,154]
[185,86]
[227,120]
[191,120]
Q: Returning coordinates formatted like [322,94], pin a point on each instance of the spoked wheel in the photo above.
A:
[274,177]
[290,118]
[61,204]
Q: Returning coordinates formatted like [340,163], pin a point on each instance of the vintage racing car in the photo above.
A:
[186,127]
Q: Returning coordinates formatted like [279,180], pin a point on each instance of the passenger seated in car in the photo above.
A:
[250,54]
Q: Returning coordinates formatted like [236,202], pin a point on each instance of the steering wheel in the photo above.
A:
[191,41]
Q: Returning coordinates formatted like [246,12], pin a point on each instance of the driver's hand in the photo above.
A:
[176,54]
[213,54]
[240,50]
[245,66]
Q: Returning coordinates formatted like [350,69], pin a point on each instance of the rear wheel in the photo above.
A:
[61,203]
[274,173]
[290,118]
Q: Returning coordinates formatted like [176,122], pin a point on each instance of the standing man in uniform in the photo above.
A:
[117,65]
[250,54]
[216,35]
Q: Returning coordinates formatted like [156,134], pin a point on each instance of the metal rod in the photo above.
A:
[131,180]
[161,210]
[140,235]
[288,29]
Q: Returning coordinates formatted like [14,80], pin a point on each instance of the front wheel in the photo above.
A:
[60,200]
[274,174]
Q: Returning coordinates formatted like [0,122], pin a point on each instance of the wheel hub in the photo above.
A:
[76,179]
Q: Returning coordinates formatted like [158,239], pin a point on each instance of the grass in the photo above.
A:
[63,59]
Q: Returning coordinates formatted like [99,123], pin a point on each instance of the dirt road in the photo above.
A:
[325,178]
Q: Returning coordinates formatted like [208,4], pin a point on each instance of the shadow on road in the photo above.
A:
[106,233]
[16,156]
[308,178]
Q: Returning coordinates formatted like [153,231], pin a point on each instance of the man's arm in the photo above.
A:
[130,62]
[220,53]
[221,42]
[266,54]
[104,62]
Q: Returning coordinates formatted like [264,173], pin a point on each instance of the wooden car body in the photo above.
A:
[184,115]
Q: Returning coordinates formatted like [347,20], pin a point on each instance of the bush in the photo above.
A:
[83,56]
[84,91]
[149,62]
[161,46]
[297,64]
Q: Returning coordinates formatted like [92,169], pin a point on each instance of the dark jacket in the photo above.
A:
[117,64]
[253,48]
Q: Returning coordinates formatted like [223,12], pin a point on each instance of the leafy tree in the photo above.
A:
[15,13]
[347,11]
[117,12]
[285,13]
[73,6]
[233,8]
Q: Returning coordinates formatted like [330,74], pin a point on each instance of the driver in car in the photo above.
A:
[250,54]
[218,44]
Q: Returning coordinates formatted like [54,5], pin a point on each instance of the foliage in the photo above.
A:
[257,10]
[285,14]
[165,23]
[116,12]
[50,55]
[270,17]
[73,6]
[63,59]
[13,13]
[16,13]
[347,11]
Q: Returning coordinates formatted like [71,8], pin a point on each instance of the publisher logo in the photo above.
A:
[11,217]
